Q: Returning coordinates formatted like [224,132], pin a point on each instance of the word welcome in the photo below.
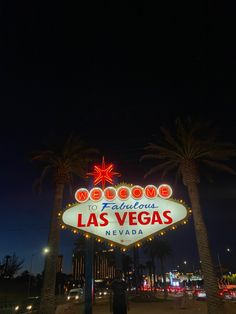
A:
[123,193]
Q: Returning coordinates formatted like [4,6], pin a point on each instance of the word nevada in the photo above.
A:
[123,193]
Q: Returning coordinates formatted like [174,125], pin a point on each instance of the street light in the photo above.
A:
[30,270]
[46,250]
[220,266]
[228,250]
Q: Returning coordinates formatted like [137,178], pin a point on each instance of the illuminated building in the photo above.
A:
[103,265]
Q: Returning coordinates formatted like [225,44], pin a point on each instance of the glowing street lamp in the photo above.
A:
[228,250]
[46,250]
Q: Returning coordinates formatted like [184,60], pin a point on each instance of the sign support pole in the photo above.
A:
[89,255]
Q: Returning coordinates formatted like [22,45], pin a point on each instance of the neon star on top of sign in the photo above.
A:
[103,174]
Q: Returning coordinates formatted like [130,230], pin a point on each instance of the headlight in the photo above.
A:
[76,297]
[68,298]
[105,293]
[100,293]
[17,308]
[29,307]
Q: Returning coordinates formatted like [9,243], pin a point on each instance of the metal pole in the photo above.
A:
[31,265]
[89,254]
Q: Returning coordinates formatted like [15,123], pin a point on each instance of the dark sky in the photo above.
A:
[112,72]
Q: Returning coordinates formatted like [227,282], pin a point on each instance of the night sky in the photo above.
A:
[113,73]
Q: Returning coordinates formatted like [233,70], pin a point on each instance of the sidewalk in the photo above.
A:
[198,307]
[137,308]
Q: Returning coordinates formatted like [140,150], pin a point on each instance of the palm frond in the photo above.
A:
[167,166]
[167,169]
[42,155]
[39,182]
[66,159]
[194,142]
[162,151]
[149,156]
[219,166]
[170,139]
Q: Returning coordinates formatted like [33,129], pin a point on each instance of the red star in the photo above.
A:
[103,174]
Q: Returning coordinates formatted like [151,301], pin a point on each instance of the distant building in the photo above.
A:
[77,267]
[103,266]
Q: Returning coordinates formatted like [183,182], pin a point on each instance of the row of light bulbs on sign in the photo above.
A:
[139,244]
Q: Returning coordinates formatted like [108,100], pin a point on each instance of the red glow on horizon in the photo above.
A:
[103,173]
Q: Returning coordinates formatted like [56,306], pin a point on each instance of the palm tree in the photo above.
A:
[79,246]
[149,265]
[160,249]
[190,146]
[141,268]
[127,267]
[63,162]
[136,268]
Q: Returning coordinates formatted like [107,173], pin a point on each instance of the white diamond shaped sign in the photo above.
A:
[125,221]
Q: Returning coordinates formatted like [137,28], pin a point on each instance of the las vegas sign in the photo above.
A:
[124,214]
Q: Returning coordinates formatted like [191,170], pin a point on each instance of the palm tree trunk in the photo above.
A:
[149,266]
[150,277]
[154,273]
[48,304]
[164,278]
[214,303]
[136,267]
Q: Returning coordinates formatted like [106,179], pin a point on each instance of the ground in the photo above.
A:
[174,306]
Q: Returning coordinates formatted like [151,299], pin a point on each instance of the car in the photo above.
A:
[199,294]
[28,305]
[189,291]
[101,293]
[175,289]
[75,295]
[228,293]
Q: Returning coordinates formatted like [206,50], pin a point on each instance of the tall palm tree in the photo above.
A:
[141,268]
[63,163]
[136,267]
[160,250]
[127,266]
[190,146]
[150,266]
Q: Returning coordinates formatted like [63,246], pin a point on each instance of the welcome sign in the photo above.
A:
[125,215]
